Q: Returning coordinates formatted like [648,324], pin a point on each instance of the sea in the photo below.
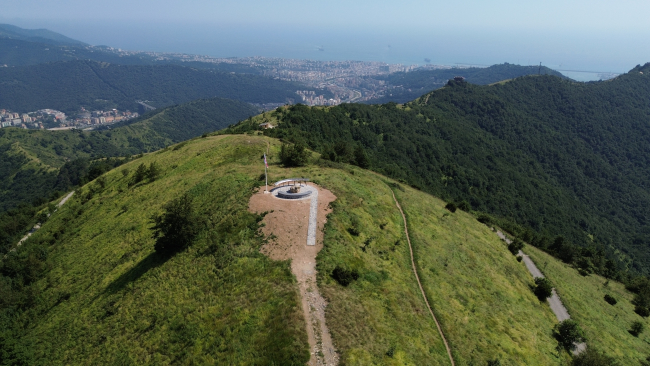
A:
[580,56]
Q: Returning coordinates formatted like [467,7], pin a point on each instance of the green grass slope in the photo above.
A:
[96,293]
[106,298]
[480,293]
[606,326]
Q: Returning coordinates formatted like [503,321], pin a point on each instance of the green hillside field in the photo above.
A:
[606,326]
[89,288]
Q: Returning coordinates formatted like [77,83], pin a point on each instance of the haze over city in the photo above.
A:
[580,35]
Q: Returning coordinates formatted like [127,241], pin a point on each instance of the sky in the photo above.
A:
[593,35]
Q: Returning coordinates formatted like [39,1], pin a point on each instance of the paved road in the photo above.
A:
[313,216]
[560,311]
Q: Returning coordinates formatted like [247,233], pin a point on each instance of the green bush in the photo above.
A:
[451,207]
[343,276]
[567,333]
[463,205]
[543,288]
[610,300]
[294,155]
[636,328]
[176,228]
[515,246]
[643,311]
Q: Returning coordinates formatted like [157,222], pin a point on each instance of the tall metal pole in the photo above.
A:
[266,175]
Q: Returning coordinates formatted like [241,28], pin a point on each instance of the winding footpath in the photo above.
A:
[417,278]
[560,311]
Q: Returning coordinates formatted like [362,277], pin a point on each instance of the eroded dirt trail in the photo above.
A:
[287,223]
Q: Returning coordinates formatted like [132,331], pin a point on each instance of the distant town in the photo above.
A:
[52,119]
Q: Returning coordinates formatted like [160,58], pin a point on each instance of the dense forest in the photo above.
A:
[30,160]
[411,85]
[567,162]
[68,86]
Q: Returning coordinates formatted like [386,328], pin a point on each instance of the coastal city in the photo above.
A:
[346,81]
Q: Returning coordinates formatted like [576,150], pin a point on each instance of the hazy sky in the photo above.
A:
[584,34]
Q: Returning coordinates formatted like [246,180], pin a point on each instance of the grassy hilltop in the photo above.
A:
[89,288]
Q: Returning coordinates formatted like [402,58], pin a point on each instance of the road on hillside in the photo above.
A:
[560,311]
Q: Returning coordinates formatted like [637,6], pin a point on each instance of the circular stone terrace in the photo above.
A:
[293,189]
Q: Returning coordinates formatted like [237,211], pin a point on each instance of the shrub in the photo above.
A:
[610,300]
[343,276]
[636,328]
[176,228]
[464,206]
[515,246]
[294,155]
[494,362]
[644,312]
[592,357]
[484,219]
[519,258]
[567,333]
[140,174]
[153,172]
[543,288]
[451,207]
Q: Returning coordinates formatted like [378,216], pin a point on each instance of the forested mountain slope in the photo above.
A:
[557,157]
[411,85]
[70,85]
[30,160]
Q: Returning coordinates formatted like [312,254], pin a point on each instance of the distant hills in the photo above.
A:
[70,85]
[410,85]
[557,157]
[37,35]
[30,160]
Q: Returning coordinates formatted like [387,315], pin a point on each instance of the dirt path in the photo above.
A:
[417,278]
[38,225]
[560,311]
[287,223]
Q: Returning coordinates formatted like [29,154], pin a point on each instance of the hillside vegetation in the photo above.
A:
[68,86]
[30,160]
[89,286]
[607,327]
[556,157]
[411,85]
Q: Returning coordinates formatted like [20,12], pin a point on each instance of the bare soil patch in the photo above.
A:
[287,224]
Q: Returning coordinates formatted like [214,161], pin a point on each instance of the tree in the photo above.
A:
[153,172]
[636,328]
[567,333]
[140,174]
[610,300]
[465,206]
[344,276]
[360,157]
[515,246]
[543,288]
[176,227]
[592,357]
[294,155]
[451,207]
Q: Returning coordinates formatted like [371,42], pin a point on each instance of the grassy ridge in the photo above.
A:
[482,295]
[109,299]
[105,298]
[606,326]
[477,287]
